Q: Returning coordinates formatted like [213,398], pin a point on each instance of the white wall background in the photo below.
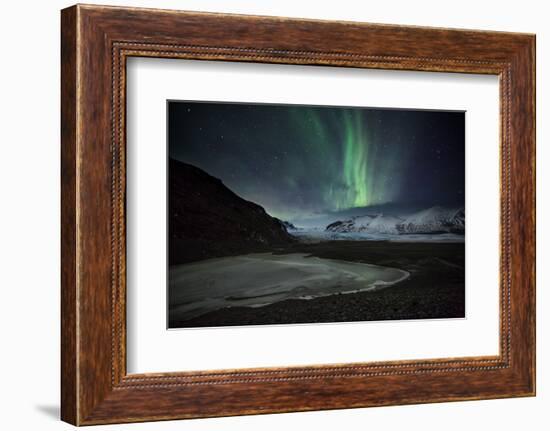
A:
[29,214]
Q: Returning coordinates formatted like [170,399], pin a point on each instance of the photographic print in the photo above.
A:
[288,214]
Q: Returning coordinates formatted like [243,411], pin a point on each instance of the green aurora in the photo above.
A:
[299,162]
[348,146]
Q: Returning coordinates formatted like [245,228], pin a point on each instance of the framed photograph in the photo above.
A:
[273,207]
[266,215]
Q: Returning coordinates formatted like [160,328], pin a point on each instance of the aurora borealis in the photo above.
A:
[299,162]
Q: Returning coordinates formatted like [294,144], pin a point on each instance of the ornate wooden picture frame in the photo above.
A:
[96,41]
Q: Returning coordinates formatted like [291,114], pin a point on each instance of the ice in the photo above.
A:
[259,279]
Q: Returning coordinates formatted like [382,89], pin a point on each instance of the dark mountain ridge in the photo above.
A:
[206,219]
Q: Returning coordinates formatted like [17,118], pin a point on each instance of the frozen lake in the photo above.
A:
[255,280]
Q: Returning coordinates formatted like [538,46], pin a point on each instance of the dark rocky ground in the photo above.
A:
[435,288]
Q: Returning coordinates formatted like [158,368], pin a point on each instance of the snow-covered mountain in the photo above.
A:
[355,224]
[384,224]
[433,220]
[370,223]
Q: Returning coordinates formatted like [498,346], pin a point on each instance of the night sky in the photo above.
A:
[300,162]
